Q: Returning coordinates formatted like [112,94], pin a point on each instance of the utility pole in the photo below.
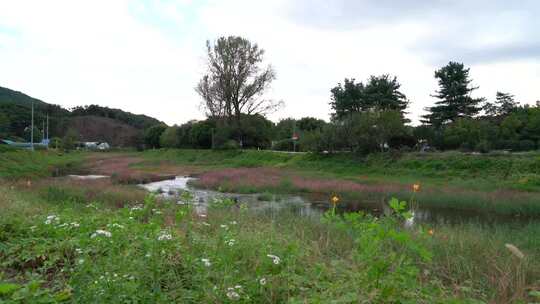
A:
[32,129]
[294,136]
[213,147]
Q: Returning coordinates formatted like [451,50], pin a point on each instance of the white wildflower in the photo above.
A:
[148,255]
[78,250]
[231,294]
[238,286]
[262,281]
[101,232]
[275,259]
[51,218]
[231,242]
[206,262]
[224,226]
[74,224]
[202,215]
[116,225]
[164,235]
[81,261]
[233,223]
[205,223]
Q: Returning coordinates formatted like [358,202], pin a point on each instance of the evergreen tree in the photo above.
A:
[454,96]
[504,105]
[347,99]
[380,93]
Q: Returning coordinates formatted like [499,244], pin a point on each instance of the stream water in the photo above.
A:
[311,207]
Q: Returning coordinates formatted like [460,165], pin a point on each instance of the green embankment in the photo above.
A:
[152,252]
[16,164]
[515,171]
[506,184]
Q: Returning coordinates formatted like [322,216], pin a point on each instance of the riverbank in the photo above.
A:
[500,184]
[56,249]
[55,245]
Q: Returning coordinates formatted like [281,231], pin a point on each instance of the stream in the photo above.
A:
[311,207]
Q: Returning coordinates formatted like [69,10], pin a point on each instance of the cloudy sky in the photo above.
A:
[146,56]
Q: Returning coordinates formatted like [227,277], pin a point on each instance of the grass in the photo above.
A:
[491,171]
[18,164]
[99,242]
[54,251]
[495,183]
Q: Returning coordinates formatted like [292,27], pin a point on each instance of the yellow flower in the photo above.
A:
[416,187]
[335,199]
[431,232]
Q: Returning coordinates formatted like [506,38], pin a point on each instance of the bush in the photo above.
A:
[483,146]
[527,145]
[229,145]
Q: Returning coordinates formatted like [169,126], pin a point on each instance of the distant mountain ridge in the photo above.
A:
[15,119]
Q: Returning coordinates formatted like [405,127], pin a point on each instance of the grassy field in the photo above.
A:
[18,164]
[160,252]
[496,183]
[102,242]
[492,171]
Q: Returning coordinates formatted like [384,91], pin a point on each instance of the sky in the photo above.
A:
[146,56]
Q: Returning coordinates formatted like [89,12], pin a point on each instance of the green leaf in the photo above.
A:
[63,295]
[7,288]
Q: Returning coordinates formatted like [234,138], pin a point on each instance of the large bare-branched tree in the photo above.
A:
[235,81]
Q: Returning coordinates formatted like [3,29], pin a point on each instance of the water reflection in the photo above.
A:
[314,206]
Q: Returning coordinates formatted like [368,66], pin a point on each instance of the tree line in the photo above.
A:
[366,116]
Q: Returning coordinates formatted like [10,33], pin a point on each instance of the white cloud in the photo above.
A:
[146,56]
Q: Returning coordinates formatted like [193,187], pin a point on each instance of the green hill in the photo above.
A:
[15,119]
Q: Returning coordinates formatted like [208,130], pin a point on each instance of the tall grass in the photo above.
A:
[19,164]
[164,252]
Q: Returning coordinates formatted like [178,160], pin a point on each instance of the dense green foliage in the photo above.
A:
[380,93]
[15,164]
[138,121]
[454,95]
[15,117]
[64,250]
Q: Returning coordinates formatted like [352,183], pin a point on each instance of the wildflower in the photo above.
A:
[431,232]
[135,208]
[233,223]
[148,255]
[205,223]
[515,251]
[233,295]
[224,226]
[81,261]
[51,218]
[164,236]
[230,242]
[75,225]
[416,187]
[116,225]
[101,232]
[181,203]
[206,262]
[78,250]
[335,199]
[262,281]
[275,259]
[202,215]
